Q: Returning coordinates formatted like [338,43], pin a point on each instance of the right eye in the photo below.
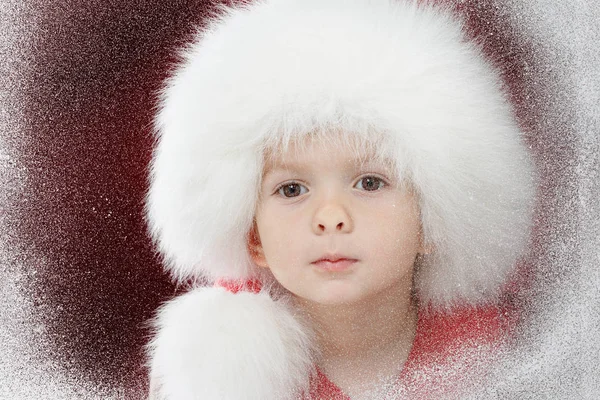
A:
[293,189]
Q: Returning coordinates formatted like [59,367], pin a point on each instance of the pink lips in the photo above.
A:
[334,263]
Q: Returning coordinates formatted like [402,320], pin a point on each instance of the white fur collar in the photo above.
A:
[214,344]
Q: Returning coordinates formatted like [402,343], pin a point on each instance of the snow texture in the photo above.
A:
[559,347]
[557,351]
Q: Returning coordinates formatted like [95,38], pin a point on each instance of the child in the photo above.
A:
[328,173]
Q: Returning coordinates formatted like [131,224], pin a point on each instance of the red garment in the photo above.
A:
[233,286]
[439,338]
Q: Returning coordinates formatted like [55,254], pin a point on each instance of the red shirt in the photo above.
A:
[440,339]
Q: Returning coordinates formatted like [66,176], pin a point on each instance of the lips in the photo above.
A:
[334,263]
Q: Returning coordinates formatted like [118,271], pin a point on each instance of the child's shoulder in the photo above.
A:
[446,345]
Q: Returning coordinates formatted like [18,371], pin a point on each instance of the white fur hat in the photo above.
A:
[282,68]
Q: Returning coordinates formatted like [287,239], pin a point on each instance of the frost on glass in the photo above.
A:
[557,345]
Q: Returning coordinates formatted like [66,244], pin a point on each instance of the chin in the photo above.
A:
[334,293]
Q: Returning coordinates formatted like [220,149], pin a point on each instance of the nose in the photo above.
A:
[332,218]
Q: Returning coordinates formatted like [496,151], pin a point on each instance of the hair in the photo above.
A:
[367,145]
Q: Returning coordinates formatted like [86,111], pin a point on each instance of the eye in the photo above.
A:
[370,183]
[293,189]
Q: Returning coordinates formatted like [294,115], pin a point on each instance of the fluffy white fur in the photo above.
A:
[277,69]
[283,68]
[213,344]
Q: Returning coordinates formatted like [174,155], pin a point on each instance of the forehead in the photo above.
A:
[339,147]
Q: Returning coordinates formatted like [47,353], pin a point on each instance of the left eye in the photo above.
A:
[370,183]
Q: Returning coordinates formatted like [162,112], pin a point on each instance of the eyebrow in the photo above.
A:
[284,167]
[295,167]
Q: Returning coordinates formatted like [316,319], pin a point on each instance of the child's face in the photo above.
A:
[324,203]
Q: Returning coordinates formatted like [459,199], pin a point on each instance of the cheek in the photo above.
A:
[279,233]
[394,230]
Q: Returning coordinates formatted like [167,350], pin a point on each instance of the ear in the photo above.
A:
[255,248]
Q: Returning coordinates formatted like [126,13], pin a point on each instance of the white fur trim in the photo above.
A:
[213,344]
[283,67]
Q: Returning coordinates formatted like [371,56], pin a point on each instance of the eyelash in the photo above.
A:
[280,189]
